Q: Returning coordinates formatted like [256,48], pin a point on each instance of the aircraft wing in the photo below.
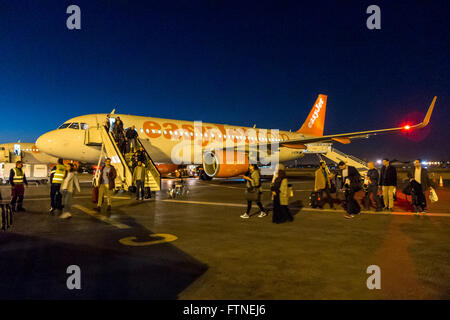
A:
[346,137]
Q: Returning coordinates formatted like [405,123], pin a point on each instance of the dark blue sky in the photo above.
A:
[234,62]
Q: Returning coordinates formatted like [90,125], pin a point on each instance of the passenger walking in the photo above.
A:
[57,176]
[322,184]
[68,187]
[254,191]
[371,187]
[141,155]
[352,184]
[420,182]
[106,184]
[147,185]
[107,124]
[280,193]
[139,174]
[388,182]
[17,180]
[131,136]
[119,135]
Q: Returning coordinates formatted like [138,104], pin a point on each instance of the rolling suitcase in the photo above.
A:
[95,195]
[314,199]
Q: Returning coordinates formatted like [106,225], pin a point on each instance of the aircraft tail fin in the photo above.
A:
[315,121]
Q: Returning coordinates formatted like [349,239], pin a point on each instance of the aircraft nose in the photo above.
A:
[46,142]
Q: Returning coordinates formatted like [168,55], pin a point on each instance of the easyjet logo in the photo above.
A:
[315,115]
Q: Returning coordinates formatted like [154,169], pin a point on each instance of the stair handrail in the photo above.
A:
[151,165]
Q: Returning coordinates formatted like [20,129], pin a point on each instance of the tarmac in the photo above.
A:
[197,247]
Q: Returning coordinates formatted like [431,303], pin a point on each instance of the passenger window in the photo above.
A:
[65,125]
[75,125]
[84,126]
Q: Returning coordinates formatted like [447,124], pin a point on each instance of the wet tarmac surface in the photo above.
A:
[197,247]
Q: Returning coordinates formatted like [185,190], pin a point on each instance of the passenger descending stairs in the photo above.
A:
[122,162]
[337,156]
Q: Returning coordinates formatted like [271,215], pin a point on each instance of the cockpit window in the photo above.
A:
[65,125]
[75,125]
[84,126]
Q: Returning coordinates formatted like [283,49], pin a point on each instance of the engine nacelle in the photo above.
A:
[225,165]
[166,168]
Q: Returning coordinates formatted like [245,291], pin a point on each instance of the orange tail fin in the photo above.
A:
[315,121]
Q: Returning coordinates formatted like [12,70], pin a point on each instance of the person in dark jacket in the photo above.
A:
[119,135]
[141,155]
[280,193]
[388,182]
[17,180]
[131,135]
[106,184]
[352,184]
[421,182]
[371,187]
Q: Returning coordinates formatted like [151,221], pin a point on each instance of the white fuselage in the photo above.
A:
[167,137]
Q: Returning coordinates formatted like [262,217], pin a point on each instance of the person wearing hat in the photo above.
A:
[322,183]
[17,180]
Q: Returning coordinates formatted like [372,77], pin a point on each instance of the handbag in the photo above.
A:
[290,191]
[433,195]
[251,194]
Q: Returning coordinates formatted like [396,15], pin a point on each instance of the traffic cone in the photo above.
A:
[441,183]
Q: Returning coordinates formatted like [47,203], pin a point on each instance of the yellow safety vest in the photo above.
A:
[60,172]
[18,176]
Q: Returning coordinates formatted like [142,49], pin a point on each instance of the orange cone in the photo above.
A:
[441,183]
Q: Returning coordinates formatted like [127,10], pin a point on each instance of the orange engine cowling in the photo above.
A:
[166,168]
[224,165]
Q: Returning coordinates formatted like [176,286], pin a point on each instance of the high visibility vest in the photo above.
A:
[18,176]
[60,172]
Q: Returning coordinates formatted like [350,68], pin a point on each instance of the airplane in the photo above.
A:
[205,143]
[26,152]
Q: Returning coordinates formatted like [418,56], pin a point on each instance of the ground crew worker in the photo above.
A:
[57,176]
[17,180]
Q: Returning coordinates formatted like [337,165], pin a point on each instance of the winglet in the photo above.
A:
[426,120]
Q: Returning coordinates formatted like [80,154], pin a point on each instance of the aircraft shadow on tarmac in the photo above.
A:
[35,267]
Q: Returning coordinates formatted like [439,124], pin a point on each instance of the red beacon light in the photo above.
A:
[407,127]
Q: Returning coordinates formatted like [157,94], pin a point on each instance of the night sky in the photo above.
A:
[233,62]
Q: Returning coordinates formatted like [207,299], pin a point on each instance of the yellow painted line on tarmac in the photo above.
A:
[101,217]
[158,239]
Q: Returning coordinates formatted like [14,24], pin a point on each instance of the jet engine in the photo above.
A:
[225,164]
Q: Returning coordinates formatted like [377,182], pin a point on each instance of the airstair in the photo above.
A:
[326,150]
[123,162]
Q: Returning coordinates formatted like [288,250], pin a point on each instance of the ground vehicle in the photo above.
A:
[178,189]
[37,173]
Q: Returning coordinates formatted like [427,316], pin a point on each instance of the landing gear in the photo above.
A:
[203,176]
